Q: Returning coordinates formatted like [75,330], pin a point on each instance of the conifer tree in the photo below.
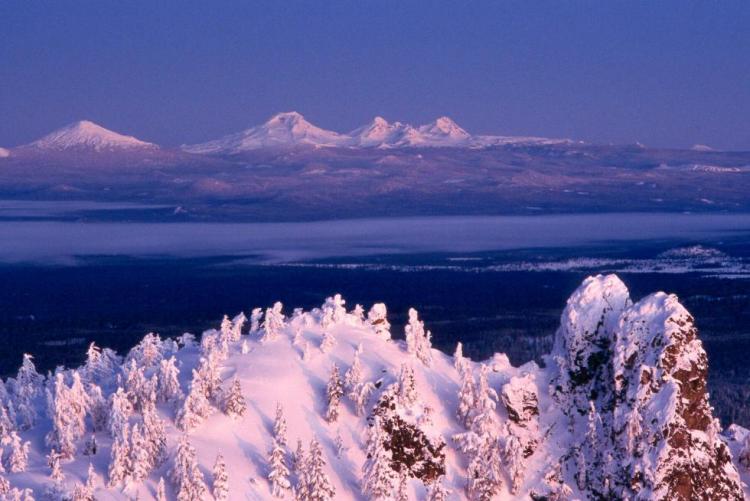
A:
[220,483]
[119,464]
[378,476]
[161,490]
[279,425]
[168,382]
[154,436]
[255,318]
[407,386]
[120,411]
[140,458]
[278,473]
[353,376]
[27,386]
[361,395]
[298,457]
[273,322]
[234,403]
[514,459]
[238,322]
[402,489]
[186,476]
[334,392]
[18,458]
[53,461]
[98,408]
[744,457]
[328,342]
[318,485]
[195,408]
[418,341]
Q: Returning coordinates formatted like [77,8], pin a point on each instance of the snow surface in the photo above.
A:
[293,368]
[290,129]
[88,135]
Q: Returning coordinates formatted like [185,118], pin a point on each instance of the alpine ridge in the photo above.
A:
[86,135]
[324,404]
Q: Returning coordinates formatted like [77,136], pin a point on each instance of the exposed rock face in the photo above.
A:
[520,398]
[665,431]
[632,380]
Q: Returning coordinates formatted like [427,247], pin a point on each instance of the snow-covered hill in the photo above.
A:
[4,153]
[86,135]
[324,404]
[290,129]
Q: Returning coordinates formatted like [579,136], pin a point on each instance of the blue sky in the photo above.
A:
[666,73]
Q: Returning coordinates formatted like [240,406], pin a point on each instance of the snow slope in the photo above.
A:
[530,419]
[86,135]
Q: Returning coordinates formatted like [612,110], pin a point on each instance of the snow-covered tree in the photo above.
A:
[279,425]
[195,408]
[140,458]
[18,458]
[338,442]
[168,382]
[120,411]
[220,481]
[353,376]
[63,435]
[53,462]
[402,488]
[744,457]
[377,317]
[90,447]
[298,458]
[186,475]
[514,458]
[154,436]
[238,322]
[255,318]
[334,392]
[161,490]
[148,352]
[306,352]
[377,475]
[407,386]
[328,342]
[361,395]
[98,408]
[278,473]
[318,486]
[234,402]
[333,311]
[418,341]
[466,399]
[26,387]
[273,322]
[460,363]
[119,463]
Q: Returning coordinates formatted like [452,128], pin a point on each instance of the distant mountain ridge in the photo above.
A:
[291,129]
[86,135]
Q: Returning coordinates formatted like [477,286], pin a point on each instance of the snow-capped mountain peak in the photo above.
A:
[86,135]
[282,130]
[4,153]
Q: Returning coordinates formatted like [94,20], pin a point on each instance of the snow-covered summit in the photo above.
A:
[324,405]
[4,153]
[281,130]
[86,135]
[291,129]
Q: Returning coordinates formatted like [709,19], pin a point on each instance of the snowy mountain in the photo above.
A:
[85,135]
[280,131]
[4,153]
[324,404]
[290,129]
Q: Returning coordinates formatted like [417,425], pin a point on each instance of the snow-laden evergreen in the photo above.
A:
[255,410]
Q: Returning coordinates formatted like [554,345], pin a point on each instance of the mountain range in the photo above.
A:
[288,168]
[287,130]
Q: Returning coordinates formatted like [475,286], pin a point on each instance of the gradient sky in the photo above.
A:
[666,73]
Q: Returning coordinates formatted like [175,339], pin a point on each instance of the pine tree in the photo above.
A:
[91,479]
[273,322]
[18,458]
[90,446]
[358,313]
[119,464]
[328,342]
[402,490]
[186,476]
[278,473]
[27,386]
[234,403]
[120,411]
[515,460]
[459,362]
[353,376]
[168,382]
[220,483]
[744,456]
[154,436]
[318,485]
[255,318]
[161,490]
[377,475]
[98,408]
[238,322]
[361,395]
[407,386]
[245,347]
[62,436]
[53,461]
[418,341]
[195,408]
[140,457]
[279,425]
[338,442]
[298,457]
[334,392]
[377,318]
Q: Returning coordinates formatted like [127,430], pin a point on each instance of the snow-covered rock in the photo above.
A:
[330,405]
[86,135]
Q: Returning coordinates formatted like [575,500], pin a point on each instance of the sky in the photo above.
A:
[666,74]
